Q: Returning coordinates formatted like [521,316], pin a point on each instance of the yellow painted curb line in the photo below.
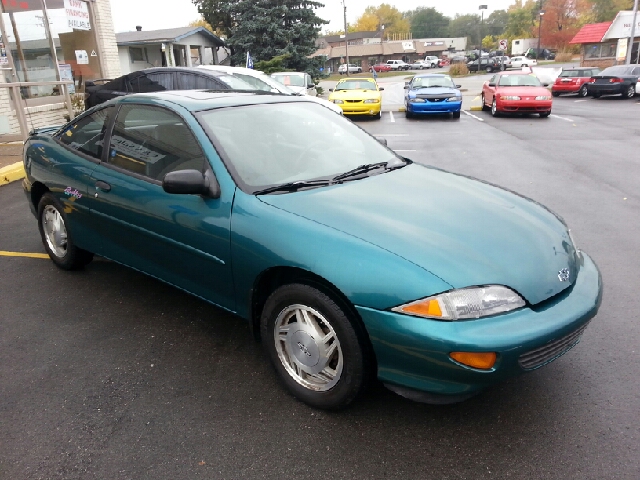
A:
[20,254]
[11,173]
[402,109]
[476,109]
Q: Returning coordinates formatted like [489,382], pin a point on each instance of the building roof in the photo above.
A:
[350,36]
[591,33]
[168,35]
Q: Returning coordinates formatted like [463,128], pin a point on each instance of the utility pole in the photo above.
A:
[540,14]
[633,33]
[346,40]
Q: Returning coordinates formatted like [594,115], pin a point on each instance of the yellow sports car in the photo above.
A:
[357,96]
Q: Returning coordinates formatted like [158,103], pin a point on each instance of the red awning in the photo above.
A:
[592,33]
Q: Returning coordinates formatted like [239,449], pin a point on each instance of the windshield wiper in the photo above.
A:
[294,186]
[362,169]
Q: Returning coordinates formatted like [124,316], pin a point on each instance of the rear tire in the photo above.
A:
[596,95]
[318,352]
[57,240]
[555,94]
[583,91]
[630,92]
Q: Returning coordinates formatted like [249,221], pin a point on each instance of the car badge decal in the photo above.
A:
[563,275]
[72,192]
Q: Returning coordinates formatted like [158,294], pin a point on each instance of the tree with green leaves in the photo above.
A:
[466,26]
[427,22]
[267,29]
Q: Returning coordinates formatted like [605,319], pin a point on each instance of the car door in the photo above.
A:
[311,87]
[181,239]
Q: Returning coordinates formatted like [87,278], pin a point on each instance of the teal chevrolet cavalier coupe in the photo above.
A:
[349,262]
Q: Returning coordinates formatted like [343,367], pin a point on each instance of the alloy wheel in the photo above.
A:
[55,231]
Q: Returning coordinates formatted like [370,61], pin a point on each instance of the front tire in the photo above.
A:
[494,109]
[314,346]
[58,242]
[545,114]
[456,114]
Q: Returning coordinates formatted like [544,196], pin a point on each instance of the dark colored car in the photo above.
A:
[544,54]
[161,79]
[618,80]
[573,80]
[487,64]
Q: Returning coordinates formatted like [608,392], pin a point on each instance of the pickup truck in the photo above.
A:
[398,65]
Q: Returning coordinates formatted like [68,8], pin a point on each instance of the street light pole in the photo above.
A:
[633,32]
[540,14]
[346,40]
[482,8]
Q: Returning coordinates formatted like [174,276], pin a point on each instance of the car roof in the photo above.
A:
[176,69]
[198,100]
[231,70]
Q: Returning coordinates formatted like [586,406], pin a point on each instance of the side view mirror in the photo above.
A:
[381,88]
[383,141]
[406,86]
[331,89]
[492,84]
[89,83]
[191,182]
[545,84]
[458,86]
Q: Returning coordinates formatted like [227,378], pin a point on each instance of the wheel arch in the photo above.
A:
[38,189]
[272,278]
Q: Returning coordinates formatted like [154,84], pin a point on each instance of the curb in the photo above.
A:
[11,173]
[475,109]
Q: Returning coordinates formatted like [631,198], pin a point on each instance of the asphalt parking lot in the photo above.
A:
[107,373]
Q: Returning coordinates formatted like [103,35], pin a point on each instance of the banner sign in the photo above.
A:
[77,14]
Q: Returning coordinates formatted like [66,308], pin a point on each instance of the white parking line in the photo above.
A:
[472,115]
[562,118]
[393,120]
[583,100]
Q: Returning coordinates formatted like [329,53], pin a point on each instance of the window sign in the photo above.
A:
[77,14]
[67,74]
[4,60]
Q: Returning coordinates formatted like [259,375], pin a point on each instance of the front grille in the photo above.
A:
[353,101]
[538,357]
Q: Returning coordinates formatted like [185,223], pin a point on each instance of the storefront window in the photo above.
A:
[600,50]
[49,39]
[608,50]
[592,51]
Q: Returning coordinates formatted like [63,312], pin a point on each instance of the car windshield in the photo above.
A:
[519,81]
[619,70]
[279,143]
[290,80]
[428,82]
[265,84]
[356,85]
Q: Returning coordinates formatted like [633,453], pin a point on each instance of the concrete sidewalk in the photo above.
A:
[11,168]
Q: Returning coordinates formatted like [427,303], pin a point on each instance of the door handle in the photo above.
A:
[104,186]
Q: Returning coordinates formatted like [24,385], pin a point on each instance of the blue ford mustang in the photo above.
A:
[348,261]
[429,94]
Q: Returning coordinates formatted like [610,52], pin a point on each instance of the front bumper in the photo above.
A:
[524,106]
[413,353]
[360,108]
[434,107]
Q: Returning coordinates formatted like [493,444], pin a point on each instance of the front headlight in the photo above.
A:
[417,100]
[543,97]
[454,99]
[464,303]
[509,97]
[337,100]
[372,100]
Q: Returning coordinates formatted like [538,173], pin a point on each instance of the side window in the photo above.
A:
[151,82]
[87,134]
[152,141]
[196,82]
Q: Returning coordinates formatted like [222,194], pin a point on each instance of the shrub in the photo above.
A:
[458,70]
[564,57]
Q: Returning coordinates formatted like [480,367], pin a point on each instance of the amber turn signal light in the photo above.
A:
[479,360]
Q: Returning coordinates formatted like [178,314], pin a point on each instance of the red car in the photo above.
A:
[382,67]
[572,80]
[516,92]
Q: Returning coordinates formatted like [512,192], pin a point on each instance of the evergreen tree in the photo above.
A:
[266,29]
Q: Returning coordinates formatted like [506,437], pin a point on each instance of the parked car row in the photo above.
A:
[590,81]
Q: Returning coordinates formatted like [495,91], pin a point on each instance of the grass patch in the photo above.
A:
[458,70]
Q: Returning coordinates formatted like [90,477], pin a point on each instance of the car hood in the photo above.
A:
[524,91]
[434,91]
[462,230]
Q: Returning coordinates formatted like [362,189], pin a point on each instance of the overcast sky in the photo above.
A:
[178,13]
